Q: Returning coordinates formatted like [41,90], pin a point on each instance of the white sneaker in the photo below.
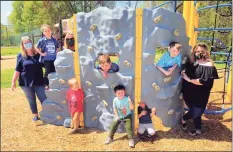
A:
[131,143]
[109,140]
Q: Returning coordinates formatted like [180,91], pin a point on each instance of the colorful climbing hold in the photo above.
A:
[170,111]
[167,79]
[157,19]
[176,32]
[127,63]
[105,103]
[59,117]
[93,118]
[118,36]
[93,27]
[64,102]
[89,48]
[89,83]
[62,81]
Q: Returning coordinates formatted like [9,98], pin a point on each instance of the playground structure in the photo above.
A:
[134,35]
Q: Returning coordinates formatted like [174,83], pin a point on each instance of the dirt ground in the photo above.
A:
[19,133]
[8,62]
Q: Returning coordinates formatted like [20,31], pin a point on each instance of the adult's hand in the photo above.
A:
[43,54]
[13,86]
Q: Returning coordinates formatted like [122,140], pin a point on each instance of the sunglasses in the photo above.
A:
[69,39]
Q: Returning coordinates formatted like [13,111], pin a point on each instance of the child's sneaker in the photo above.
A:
[194,133]
[131,143]
[34,119]
[109,140]
[74,131]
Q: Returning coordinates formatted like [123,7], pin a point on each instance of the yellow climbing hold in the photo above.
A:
[155,86]
[89,48]
[127,63]
[59,118]
[93,27]
[89,83]
[157,19]
[170,111]
[62,81]
[113,85]
[176,32]
[167,79]
[105,103]
[64,102]
[118,36]
[93,118]
[181,96]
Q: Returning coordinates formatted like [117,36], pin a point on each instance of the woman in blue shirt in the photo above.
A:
[29,71]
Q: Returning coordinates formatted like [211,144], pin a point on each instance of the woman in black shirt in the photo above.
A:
[29,71]
[198,78]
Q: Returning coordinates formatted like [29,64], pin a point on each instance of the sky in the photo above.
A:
[6,8]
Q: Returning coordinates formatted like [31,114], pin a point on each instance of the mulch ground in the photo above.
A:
[19,133]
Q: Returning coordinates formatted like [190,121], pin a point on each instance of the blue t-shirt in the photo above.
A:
[166,61]
[30,69]
[48,46]
[114,68]
[146,118]
[122,106]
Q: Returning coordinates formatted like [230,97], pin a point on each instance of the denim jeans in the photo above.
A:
[194,113]
[31,93]
[128,126]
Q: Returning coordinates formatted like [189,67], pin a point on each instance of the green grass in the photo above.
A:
[9,51]
[6,77]
[219,65]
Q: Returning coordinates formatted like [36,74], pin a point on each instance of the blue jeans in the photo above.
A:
[31,93]
[194,113]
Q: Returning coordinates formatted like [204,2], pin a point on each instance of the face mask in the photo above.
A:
[70,42]
[28,46]
[199,56]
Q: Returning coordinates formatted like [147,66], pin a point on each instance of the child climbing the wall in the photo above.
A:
[170,59]
[47,47]
[122,106]
[146,131]
[106,66]
[75,97]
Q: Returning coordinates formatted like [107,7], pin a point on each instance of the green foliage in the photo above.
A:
[6,77]
[10,50]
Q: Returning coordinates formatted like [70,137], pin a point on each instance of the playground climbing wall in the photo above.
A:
[113,31]
[160,27]
[55,107]
[107,31]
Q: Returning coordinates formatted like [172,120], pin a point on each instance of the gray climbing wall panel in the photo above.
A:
[113,31]
[160,27]
[55,108]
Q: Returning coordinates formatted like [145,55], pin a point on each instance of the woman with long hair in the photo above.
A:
[198,78]
[29,71]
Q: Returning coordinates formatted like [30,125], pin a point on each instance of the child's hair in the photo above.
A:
[104,58]
[72,82]
[44,26]
[173,43]
[119,87]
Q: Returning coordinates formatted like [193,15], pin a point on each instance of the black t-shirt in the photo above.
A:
[198,95]
[30,69]
[146,118]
